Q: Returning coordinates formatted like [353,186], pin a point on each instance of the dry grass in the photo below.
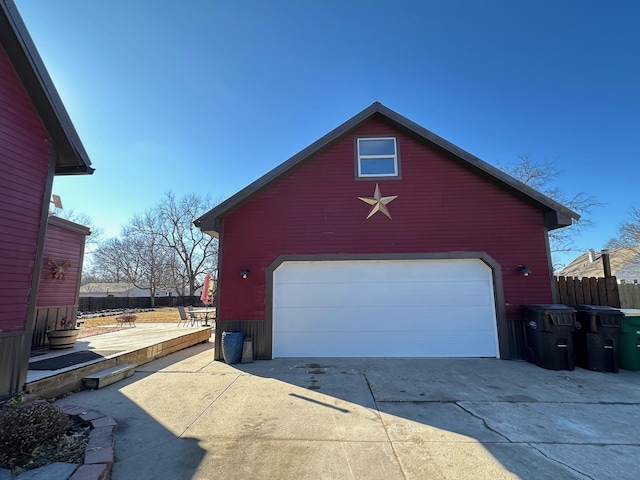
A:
[159,315]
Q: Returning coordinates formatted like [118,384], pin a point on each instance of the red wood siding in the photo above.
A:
[441,207]
[60,245]
[24,159]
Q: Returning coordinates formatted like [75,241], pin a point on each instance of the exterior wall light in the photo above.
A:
[524,270]
[245,272]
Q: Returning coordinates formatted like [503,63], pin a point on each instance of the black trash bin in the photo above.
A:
[596,337]
[549,336]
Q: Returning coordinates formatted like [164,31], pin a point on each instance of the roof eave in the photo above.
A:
[558,219]
[210,221]
[69,225]
[564,215]
[71,157]
[555,214]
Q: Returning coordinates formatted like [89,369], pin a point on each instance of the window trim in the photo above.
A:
[359,157]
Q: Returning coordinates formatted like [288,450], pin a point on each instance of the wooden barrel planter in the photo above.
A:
[59,339]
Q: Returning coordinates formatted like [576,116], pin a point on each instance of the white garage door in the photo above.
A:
[384,308]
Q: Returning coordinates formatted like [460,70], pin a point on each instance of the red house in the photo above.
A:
[382,239]
[60,275]
[37,141]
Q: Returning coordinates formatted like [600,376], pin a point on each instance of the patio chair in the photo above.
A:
[193,316]
[183,316]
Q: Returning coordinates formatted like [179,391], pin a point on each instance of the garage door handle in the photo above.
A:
[562,346]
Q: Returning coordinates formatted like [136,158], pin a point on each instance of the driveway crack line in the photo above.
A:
[384,425]
[209,405]
[558,461]
[484,422]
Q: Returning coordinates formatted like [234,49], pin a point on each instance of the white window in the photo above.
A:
[377,157]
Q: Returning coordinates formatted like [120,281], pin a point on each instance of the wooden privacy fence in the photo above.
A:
[629,295]
[95,304]
[587,291]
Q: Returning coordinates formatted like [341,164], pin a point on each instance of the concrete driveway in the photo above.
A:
[185,416]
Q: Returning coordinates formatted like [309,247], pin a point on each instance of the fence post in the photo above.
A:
[561,285]
[602,292]
[593,288]
[613,295]
[571,291]
[579,291]
[586,290]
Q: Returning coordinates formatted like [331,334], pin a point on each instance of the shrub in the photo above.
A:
[26,425]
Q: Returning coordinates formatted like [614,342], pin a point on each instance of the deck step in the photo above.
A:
[101,379]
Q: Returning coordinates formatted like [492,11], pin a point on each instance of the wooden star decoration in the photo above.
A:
[378,203]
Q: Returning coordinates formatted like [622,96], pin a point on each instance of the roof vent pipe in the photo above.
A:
[592,255]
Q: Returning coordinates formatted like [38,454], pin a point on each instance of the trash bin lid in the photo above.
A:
[611,320]
[597,309]
[631,317]
[550,307]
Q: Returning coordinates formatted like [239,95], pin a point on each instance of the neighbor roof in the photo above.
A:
[556,215]
[101,287]
[625,264]
[71,157]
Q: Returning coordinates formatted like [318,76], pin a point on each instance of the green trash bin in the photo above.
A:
[629,344]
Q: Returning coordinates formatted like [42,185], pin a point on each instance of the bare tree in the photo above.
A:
[195,252]
[161,248]
[148,259]
[628,232]
[109,262]
[89,276]
[541,176]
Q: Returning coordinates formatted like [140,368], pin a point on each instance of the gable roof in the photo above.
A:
[68,225]
[625,264]
[71,157]
[555,214]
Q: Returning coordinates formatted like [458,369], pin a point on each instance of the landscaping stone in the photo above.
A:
[89,415]
[101,437]
[99,455]
[98,471]
[53,471]
[73,410]
[104,422]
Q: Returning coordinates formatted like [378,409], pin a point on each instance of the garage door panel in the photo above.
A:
[384,294]
[362,271]
[370,344]
[384,308]
[355,319]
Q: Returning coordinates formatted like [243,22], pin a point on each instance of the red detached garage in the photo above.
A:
[382,239]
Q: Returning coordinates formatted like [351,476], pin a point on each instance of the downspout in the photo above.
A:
[218,331]
[80,267]
[552,280]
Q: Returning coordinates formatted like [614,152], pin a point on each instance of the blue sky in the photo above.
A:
[207,96]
